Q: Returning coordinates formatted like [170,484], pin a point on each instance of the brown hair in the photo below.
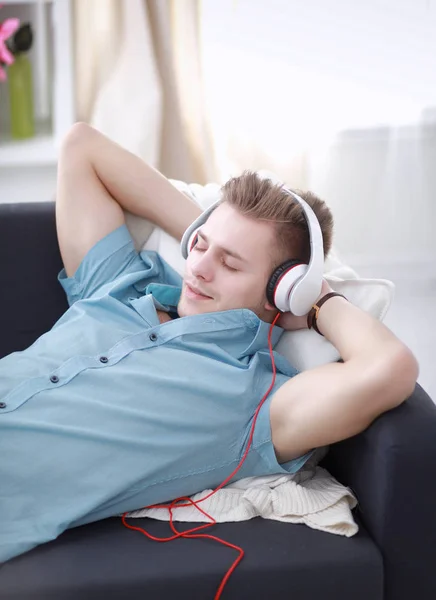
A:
[262,199]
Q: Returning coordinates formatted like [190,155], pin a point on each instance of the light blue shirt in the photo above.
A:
[111,410]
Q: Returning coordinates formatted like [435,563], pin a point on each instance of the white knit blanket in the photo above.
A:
[311,496]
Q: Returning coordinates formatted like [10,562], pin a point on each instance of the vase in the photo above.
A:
[20,82]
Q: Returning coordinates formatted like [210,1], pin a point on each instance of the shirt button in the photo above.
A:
[2,404]
[104,359]
[54,378]
[153,337]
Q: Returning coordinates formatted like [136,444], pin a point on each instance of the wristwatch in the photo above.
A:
[312,315]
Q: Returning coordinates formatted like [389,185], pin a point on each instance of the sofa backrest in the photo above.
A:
[31,298]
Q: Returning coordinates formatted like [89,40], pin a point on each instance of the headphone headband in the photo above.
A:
[307,289]
[189,233]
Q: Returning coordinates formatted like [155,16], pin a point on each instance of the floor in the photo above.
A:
[412,316]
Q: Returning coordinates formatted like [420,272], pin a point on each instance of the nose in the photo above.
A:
[202,266]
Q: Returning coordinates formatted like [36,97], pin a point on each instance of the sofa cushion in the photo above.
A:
[106,561]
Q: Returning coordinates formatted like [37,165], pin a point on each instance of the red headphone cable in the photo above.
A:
[190,533]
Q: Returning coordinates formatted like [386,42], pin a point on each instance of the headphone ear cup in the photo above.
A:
[281,269]
[193,239]
[291,271]
[189,238]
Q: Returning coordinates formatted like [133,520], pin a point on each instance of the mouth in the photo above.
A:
[195,294]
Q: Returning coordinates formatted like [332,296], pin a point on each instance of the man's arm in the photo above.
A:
[97,179]
[335,401]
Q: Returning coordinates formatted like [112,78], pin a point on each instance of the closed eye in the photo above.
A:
[228,266]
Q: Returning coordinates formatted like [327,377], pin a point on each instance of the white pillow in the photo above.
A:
[304,349]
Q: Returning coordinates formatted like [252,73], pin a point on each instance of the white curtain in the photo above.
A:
[138,80]
[338,97]
[118,88]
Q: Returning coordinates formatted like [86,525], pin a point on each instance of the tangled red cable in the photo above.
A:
[190,533]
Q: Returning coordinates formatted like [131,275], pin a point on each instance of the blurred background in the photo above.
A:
[334,96]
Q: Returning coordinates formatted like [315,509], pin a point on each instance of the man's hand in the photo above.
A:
[291,322]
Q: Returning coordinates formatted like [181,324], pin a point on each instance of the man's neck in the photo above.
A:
[163,316]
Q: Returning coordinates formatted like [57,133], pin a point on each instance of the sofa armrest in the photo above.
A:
[391,468]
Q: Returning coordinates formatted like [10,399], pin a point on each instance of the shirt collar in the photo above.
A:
[166,297]
[260,336]
[246,334]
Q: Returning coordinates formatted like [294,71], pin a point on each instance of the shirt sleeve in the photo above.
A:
[261,458]
[263,445]
[110,258]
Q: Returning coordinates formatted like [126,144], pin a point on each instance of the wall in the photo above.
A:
[381,186]
[284,77]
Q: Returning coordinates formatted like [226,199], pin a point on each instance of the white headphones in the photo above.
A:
[294,286]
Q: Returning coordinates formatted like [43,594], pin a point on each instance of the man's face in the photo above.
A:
[229,266]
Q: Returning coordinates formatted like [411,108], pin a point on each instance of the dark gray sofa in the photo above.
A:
[391,467]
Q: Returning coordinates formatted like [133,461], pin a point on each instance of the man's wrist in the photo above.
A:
[332,317]
[325,289]
[312,317]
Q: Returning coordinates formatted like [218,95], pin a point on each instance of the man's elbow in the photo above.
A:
[77,140]
[399,372]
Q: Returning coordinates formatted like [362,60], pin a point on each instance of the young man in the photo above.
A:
[146,388]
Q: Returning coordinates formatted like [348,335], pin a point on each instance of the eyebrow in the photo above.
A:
[225,250]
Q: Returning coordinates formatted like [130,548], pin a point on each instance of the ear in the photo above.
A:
[270,307]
